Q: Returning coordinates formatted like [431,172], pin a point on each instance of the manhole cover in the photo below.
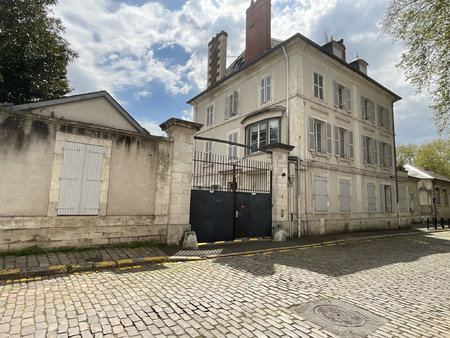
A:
[339,315]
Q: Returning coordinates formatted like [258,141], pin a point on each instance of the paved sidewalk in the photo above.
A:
[12,267]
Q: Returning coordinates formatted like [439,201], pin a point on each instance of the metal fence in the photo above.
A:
[223,173]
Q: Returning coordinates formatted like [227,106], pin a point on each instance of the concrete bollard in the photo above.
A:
[190,240]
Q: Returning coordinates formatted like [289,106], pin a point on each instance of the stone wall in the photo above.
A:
[144,191]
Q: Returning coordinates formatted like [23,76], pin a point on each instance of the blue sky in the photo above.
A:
[151,55]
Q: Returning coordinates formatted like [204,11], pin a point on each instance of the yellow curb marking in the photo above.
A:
[57,267]
[253,239]
[303,248]
[343,243]
[151,259]
[23,280]
[219,242]
[107,263]
[6,272]
[330,244]
[267,252]
[285,250]
[317,246]
[236,240]
[131,267]
[202,243]
[248,255]
[125,261]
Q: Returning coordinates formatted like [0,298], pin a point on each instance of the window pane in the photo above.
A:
[263,133]
[254,136]
[274,131]
[318,137]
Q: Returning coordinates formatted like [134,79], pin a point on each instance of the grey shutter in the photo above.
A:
[402,198]
[364,148]
[336,141]
[335,94]
[321,195]
[375,151]
[329,139]
[371,198]
[268,88]
[372,111]
[350,145]
[382,199]
[311,134]
[263,92]
[349,100]
[363,108]
[388,119]
[92,179]
[235,102]
[390,156]
[344,190]
[71,176]
[380,115]
[227,106]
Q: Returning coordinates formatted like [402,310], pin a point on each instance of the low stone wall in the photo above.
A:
[79,231]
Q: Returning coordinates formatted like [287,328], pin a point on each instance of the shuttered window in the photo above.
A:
[344,195]
[321,194]
[385,198]
[402,198]
[371,198]
[81,177]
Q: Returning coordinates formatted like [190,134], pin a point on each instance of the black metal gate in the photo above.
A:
[230,198]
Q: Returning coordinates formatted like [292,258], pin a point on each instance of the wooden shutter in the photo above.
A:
[375,151]
[344,195]
[235,103]
[321,194]
[372,111]
[390,156]
[350,145]
[382,199]
[81,178]
[268,88]
[364,148]
[371,198]
[363,108]
[349,99]
[335,94]
[263,91]
[336,141]
[227,106]
[329,139]
[311,134]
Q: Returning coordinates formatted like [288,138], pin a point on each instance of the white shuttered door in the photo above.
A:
[80,179]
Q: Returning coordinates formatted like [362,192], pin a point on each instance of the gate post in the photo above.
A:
[280,185]
[181,133]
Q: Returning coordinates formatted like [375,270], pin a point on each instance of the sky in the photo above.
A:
[151,56]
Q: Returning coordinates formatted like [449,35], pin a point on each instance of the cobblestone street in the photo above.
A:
[402,280]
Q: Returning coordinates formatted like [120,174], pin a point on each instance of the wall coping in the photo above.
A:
[181,123]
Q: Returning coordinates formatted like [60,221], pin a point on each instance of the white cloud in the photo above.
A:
[143,93]
[152,127]
[188,115]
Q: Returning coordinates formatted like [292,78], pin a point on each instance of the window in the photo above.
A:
[402,198]
[318,86]
[385,198]
[231,104]
[384,119]
[319,136]
[344,195]
[369,149]
[320,194]
[208,150]
[371,198]
[266,89]
[445,195]
[209,115]
[385,154]
[232,149]
[367,109]
[343,143]
[262,133]
[342,97]
[81,178]
[437,195]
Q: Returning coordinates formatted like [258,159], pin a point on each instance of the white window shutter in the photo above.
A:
[375,151]
[235,102]
[311,134]
[364,148]
[350,145]
[382,199]
[71,176]
[92,179]
[336,141]
[329,139]
[349,100]
[390,163]
[227,106]
[372,111]
[335,94]
[263,91]
[268,88]
[363,108]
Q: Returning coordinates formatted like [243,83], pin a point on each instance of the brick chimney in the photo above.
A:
[258,25]
[217,58]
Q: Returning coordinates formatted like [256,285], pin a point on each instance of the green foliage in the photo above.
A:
[434,156]
[33,53]
[423,27]
[406,154]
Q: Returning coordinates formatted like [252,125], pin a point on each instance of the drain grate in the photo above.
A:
[340,316]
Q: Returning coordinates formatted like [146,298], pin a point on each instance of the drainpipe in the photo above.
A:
[287,94]
[395,164]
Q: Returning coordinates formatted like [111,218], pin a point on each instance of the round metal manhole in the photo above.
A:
[339,315]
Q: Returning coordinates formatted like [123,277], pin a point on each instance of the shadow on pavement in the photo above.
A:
[343,259]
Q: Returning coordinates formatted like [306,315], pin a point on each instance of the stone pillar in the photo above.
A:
[280,186]
[181,133]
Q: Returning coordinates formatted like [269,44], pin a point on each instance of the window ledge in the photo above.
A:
[319,154]
[370,165]
[344,159]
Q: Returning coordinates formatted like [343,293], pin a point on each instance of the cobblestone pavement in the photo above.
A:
[403,280]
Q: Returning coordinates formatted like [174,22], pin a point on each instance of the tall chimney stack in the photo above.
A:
[258,25]
[217,58]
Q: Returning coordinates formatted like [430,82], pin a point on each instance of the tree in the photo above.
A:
[434,156]
[406,154]
[423,27]
[33,53]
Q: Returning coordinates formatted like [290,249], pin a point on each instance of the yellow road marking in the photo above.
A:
[267,252]
[285,250]
[237,240]
[7,272]
[151,259]
[219,242]
[253,239]
[248,255]
[201,244]
[104,264]
[125,261]
[57,267]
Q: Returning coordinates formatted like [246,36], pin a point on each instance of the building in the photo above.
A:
[340,175]
[80,171]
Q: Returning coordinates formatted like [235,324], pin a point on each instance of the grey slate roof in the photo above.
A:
[424,174]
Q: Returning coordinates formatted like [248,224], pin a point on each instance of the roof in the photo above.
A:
[424,174]
[239,64]
[81,97]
